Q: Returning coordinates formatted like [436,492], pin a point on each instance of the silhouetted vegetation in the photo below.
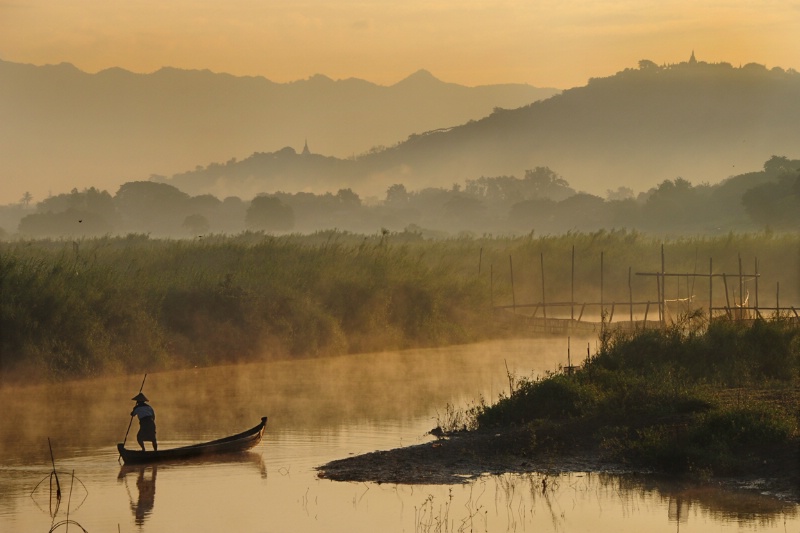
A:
[541,202]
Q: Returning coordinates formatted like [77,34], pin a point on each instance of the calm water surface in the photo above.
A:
[319,411]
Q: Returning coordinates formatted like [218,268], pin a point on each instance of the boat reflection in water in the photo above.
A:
[143,502]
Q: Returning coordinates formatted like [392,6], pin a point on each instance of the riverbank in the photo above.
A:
[711,403]
[465,456]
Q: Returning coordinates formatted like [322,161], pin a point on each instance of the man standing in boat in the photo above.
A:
[147,421]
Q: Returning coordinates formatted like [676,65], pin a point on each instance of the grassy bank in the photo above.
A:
[720,400]
[133,304]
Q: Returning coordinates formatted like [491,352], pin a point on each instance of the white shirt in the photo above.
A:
[143,411]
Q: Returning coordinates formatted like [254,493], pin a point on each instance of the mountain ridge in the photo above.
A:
[62,125]
[698,121]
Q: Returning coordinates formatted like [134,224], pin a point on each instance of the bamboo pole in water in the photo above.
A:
[658,292]
[741,290]
[662,303]
[630,296]
[727,299]
[758,314]
[544,303]
[572,284]
[491,284]
[601,288]
[710,288]
[513,296]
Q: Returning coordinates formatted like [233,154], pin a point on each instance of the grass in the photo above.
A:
[135,304]
[132,304]
[720,400]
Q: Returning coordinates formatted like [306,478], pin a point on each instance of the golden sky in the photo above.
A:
[553,43]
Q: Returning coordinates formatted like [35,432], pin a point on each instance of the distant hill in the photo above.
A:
[699,121]
[59,125]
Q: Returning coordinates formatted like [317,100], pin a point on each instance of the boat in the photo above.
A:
[234,444]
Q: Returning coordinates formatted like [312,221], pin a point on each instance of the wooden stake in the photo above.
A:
[710,289]
[544,304]
[572,296]
[513,296]
[630,295]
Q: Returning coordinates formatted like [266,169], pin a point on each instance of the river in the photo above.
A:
[320,410]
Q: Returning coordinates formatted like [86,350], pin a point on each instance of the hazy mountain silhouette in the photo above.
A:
[702,122]
[61,125]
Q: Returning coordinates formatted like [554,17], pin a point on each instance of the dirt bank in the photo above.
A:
[464,456]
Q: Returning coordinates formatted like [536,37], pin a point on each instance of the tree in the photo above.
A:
[535,213]
[269,213]
[70,222]
[466,211]
[775,205]
[89,200]
[152,207]
[348,199]
[397,195]
[204,203]
[196,224]
[26,199]
[621,193]
[677,206]
[583,212]
[542,182]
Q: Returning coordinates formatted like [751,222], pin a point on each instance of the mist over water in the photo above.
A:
[200,403]
[320,410]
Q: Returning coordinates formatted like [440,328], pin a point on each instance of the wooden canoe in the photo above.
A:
[235,443]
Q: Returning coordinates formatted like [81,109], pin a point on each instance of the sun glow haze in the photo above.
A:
[474,42]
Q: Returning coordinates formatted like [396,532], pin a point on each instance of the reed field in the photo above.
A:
[74,309]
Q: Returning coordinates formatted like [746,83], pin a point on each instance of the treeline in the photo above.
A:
[541,202]
[133,304]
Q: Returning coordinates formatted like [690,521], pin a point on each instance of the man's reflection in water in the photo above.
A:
[146,486]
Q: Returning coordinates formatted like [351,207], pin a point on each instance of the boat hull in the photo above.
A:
[234,444]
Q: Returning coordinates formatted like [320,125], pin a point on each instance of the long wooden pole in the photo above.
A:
[630,296]
[658,292]
[131,421]
[572,285]
[544,304]
[727,299]
[513,296]
[491,283]
[601,285]
[710,289]
[758,314]
[741,290]
[662,283]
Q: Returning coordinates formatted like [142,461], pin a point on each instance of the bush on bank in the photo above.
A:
[719,400]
